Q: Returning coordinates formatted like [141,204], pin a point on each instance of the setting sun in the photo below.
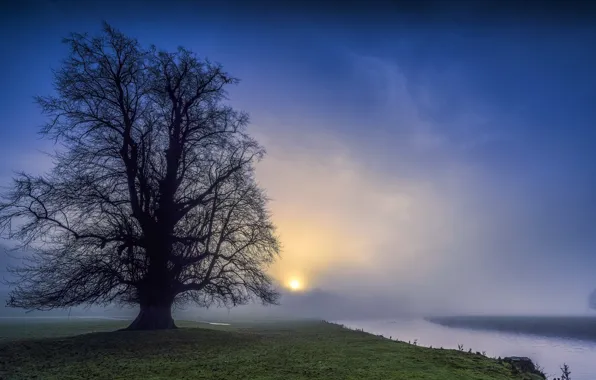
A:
[295,285]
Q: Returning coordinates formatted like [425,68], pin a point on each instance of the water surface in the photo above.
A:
[548,352]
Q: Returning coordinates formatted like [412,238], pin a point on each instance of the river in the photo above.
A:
[548,352]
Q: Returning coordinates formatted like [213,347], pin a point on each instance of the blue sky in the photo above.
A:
[443,154]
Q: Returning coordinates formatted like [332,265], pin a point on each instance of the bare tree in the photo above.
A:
[152,200]
[565,372]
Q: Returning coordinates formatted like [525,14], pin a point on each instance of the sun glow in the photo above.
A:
[295,285]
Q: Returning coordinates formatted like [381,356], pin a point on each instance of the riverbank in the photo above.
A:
[275,350]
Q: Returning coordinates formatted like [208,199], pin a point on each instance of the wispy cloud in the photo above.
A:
[420,218]
[341,216]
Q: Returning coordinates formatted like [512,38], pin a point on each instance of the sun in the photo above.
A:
[295,285]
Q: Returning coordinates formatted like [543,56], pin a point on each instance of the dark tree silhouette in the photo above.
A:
[152,200]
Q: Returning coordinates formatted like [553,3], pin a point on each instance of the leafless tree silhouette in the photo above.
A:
[152,200]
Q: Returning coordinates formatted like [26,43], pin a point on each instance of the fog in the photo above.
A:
[430,172]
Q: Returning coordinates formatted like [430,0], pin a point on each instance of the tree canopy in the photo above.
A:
[152,200]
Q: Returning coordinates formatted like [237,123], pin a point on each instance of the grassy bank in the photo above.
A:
[280,350]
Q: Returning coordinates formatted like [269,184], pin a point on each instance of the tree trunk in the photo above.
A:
[153,318]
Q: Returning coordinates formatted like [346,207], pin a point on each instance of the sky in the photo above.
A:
[426,159]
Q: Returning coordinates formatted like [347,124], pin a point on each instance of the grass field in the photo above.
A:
[280,350]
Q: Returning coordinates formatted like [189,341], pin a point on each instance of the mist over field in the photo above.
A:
[382,190]
[411,170]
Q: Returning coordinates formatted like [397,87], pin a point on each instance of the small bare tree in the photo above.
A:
[565,372]
[152,200]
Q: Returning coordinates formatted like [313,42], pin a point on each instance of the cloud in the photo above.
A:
[414,210]
[351,226]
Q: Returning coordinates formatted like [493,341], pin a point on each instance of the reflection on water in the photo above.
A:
[549,353]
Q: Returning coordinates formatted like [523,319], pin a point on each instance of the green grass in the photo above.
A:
[280,350]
